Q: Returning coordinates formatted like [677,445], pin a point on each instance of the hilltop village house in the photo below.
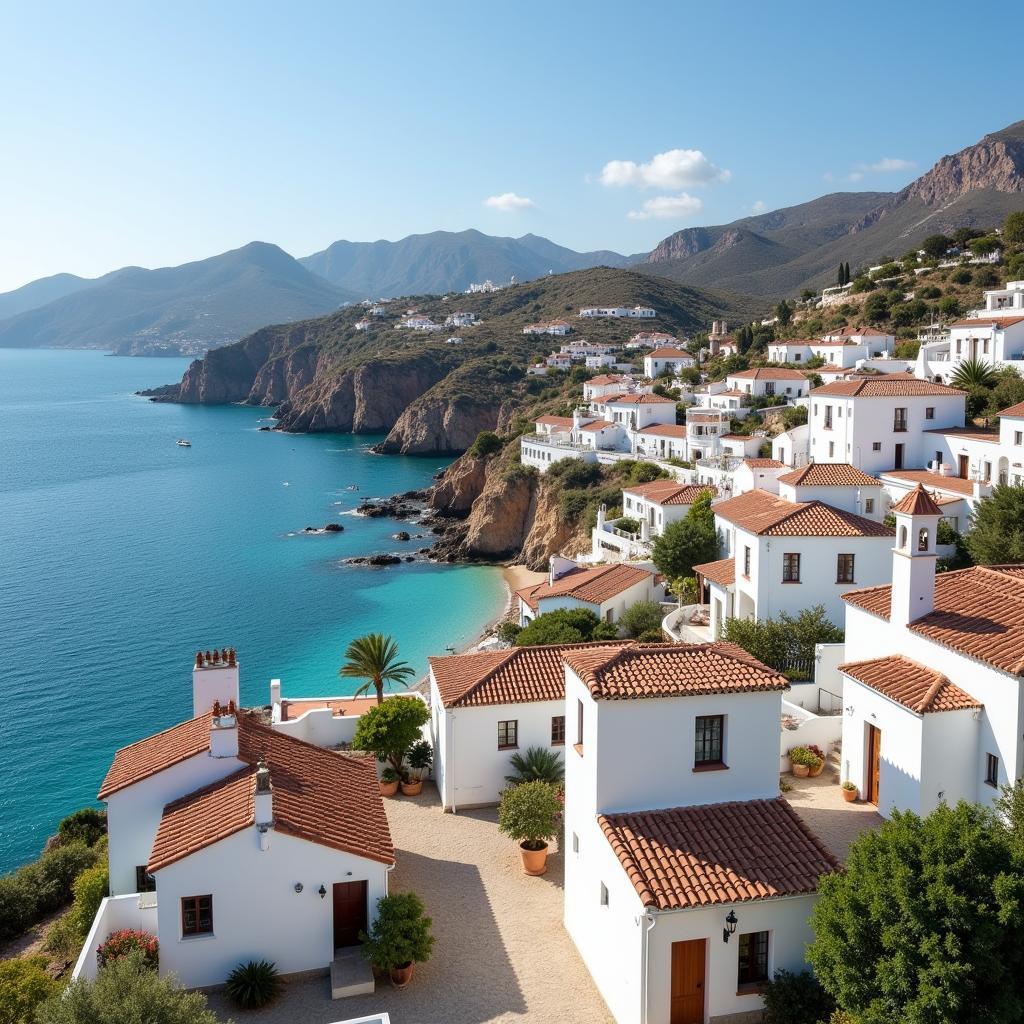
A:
[231,840]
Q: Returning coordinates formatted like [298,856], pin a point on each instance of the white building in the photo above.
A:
[878,423]
[661,441]
[460,319]
[635,411]
[652,339]
[932,686]
[363,325]
[769,382]
[676,834]
[790,555]
[837,484]
[226,836]
[620,312]
[671,359]
[791,446]
[418,322]
[582,348]
[611,384]
[556,327]
[661,502]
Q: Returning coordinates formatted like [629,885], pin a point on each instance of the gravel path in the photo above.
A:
[501,952]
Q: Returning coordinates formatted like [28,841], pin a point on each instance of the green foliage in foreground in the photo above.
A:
[401,933]
[687,542]
[779,641]
[926,924]
[126,992]
[796,999]
[642,617]
[390,729]
[997,533]
[528,813]
[565,626]
[24,985]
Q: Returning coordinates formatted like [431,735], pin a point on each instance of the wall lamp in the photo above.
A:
[322,891]
[298,887]
[731,920]
[849,710]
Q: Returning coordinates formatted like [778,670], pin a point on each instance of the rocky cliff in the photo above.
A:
[438,423]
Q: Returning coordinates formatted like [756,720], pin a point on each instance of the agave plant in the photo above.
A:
[537,764]
[973,373]
[253,984]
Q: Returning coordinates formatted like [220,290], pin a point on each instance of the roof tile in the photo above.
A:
[594,586]
[768,515]
[915,686]
[828,474]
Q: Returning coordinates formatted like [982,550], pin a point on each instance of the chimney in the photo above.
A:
[224,730]
[263,801]
[275,692]
[577,419]
[214,680]
[914,557]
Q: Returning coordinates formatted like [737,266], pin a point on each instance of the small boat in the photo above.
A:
[352,487]
[182,443]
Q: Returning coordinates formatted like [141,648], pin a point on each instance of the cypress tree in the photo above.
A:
[846,273]
[839,276]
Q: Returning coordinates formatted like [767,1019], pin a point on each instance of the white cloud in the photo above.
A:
[675,168]
[665,207]
[508,202]
[760,206]
[887,165]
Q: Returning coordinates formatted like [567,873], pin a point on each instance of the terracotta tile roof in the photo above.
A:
[521,675]
[978,612]
[917,502]
[768,373]
[828,474]
[319,795]
[989,321]
[670,492]
[764,464]
[555,421]
[665,430]
[593,586]
[768,515]
[736,437]
[720,853]
[676,670]
[644,399]
[606,378]
[868,332]
[910,683]
[887,385]
[730,393]
[155,753]
[1014,410]
[669,353]
[952,484]
[971,433]
[597,425]
[722,572]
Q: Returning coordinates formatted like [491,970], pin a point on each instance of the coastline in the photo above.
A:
[515,577]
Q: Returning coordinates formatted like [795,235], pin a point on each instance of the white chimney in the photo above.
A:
[264,804]
[275,692]
[914,557]
[224,731]
[214,680]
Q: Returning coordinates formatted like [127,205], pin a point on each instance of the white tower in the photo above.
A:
[214,680]
[914,557]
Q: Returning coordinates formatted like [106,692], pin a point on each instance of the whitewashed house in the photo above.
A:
[661,441]
[582,348]
[667,359]
[661,502]
[226,838]
[611,384]
[688,880]
[753,474]
[879,423]
[652,339]
[634,411]
[769,382]
[460,319]
[418,322]
[620,312]
[787,556]
[488,706]
[932,678]
[606,590]
[556,327]
[837,484]
[791,446]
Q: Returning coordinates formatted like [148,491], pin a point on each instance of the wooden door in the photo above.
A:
[349,913]
[964,467]
[874,758]
[899,457]
[687,1006]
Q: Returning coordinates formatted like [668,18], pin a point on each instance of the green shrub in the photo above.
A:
[796,999]
[400,935]
[566,626]
[529,813]
[801,755]
[627,524]
[575,472]
[962,276]
[129,942]
[87,825]
[509,631]
[536,764]
[89,889]
[24,985]
[487,443]
[573,505]
[253,984]
[651,636]
[388,730]
[642,617]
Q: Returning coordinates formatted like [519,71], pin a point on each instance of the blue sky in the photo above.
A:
[156,133]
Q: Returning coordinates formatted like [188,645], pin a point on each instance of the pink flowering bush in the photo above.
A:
[121,943]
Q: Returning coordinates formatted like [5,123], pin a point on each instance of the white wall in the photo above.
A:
[321,727]
[820,730]
[115,912]
[256,912]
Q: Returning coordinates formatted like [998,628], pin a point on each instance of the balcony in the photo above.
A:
[134,910]
[690,624]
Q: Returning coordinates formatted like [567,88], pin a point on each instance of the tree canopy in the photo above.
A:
[997,533]
[388,730]
[565,626]
[687,542]
[374,658]
[781,641]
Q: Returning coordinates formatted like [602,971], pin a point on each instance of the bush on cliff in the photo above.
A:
[487,443]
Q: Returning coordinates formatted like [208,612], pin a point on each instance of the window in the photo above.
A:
[929,413]
[708,740]
[575,843]
[876,446]
[604,895]
[558,730]
[746,561]
[508,734]
[144,881]
[769,387]
[828,417]
[579,727]
[1018,437]
[844,569]
[196,915]
[991,770]
[790,568]
[831,449]
[869,505]
[753,959]
[922,539]
[899,421]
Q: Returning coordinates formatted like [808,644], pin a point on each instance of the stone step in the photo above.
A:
[351,974]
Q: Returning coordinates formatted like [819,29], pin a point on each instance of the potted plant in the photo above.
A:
[528,813]
[802,761]
[388,782]
[816,769]
[419,759]
[399,936]
[849,791]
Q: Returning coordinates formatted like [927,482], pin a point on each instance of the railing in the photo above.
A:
[829,703]
[677,624]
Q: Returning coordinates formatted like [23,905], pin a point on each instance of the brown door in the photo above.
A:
[964,466]
[688,982]
[874,757]
[899,457]
[349,913]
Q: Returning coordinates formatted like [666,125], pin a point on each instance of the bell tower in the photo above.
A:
[914,557]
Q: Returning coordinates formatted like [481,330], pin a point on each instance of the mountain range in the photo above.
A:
[213,302]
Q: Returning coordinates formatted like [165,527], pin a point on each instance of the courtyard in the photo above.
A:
[836,823]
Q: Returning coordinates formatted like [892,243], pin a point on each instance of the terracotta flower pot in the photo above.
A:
[535,862]
[413,788]
[388,788]
[815,772]
[849,795]
[401,976]
[801,771]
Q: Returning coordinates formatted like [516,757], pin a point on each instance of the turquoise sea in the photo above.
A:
[121,554]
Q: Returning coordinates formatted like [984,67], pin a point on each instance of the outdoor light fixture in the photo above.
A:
[298,887]
[730,925]
[322,891]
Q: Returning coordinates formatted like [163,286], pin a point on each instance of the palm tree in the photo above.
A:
[374,657]
[973,373]
[536,764]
